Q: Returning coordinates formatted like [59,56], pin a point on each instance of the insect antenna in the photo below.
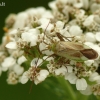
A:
[45,32]
[61,37]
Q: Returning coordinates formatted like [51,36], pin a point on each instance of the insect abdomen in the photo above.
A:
[89,53]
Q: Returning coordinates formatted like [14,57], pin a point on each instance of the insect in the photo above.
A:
[75,51]
[72,50]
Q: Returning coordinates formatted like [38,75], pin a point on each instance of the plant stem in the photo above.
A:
[67,88]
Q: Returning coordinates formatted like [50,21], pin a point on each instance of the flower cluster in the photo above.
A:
[63,41]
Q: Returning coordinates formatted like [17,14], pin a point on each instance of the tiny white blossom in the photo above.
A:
[12,78]
[87,91]
[4,69]
[44,22]
[90,44]
[36,62]
[88,21]
[94,7]
[94,76]
[71,77]
[12,45]
[69,69]
[42,75]
[97,36]
[89,62]
[97,19]
[78,4]
[61,71]
[59,24]
[42,46]
[21,20]
[52,5]
[24,79]
[47,14]
[13,32]
[81,84]
[21,60]
[75,30]
[90,37]
[47,58]
[18,69]
[35,11]
[81,4]
[85,4]
[31,36]
[8,62]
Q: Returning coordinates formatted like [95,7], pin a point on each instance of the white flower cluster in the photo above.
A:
[63,41]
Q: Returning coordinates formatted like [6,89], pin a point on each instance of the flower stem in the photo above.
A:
[67,88]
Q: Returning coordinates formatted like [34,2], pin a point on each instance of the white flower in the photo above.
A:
[41,76]
[36,62]
[47,14]
[12,45]
[78,4]
[79,14]
[90,44]
[71,77]
[18,69]
[31,36]
[47,58]
[85,4]
[82,3]
[13,32]
[89,62]
[75,30]
[52,5]
[90,37]
[8,62]
[97,36]
[94,7]
[4,69]
[44,22]
[12,78]
[81,84]
[17,53]
[61,71]
[24,79]
[42,46]
[69,69]
[94,77]
[21,20]
[97,19]
[65,33]
[36,12]
[87,91]
[59,25]
[21,60]
[88,21]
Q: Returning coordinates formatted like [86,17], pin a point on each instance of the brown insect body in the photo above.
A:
[75,51]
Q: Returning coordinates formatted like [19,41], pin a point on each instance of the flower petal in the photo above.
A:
[81,84]
[11,45]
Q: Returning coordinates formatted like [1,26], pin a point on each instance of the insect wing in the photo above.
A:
[75,51]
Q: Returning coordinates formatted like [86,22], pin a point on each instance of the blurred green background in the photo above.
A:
[52,88]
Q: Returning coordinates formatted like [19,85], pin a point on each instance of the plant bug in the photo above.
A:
[75,51]
[69,49]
